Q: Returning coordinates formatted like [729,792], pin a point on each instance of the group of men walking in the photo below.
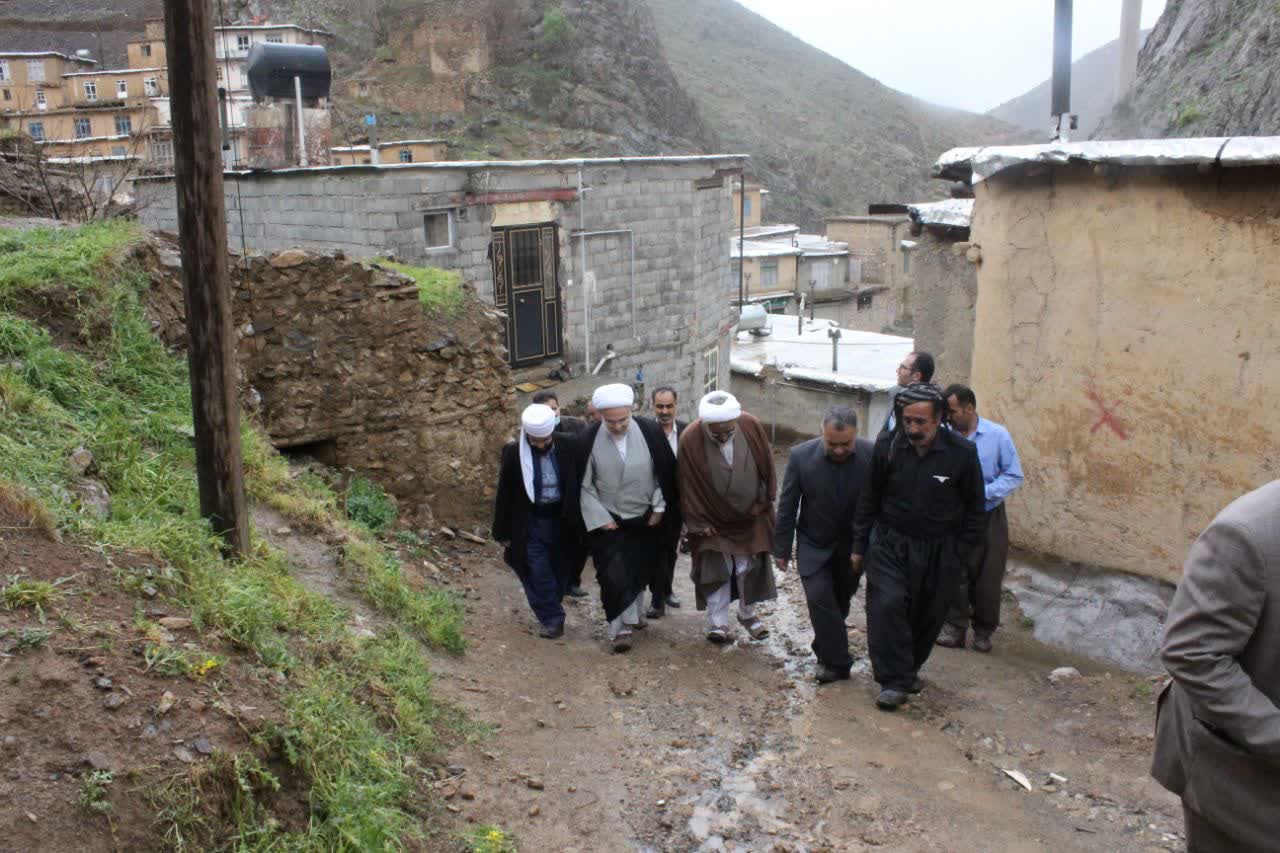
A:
[919,511]
[611,487]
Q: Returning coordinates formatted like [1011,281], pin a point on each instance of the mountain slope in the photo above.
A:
[1093,85]
[1209,68]
[825,138]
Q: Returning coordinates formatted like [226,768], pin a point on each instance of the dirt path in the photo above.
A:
[680,745]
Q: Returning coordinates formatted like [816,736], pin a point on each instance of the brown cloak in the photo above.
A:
[737,532]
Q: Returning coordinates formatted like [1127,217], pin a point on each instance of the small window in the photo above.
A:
[4,70]
[40,99]
[439,229]
[711,374]
[146,50]
[220,72]
[149,86]
[275,39]
[162,151]
[124,125]
[117,151]
[406,156]
[84,128]
[769,274]
[8,95]
[746,206]
[864,301]
[35,129]
[906,263]
[35,70]
[90,90]
[242,42]
[122,88]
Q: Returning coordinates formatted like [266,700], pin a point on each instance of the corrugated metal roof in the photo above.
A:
[952,213]
[762,249]
[979,164]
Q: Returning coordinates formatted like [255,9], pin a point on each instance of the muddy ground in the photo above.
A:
[681,745]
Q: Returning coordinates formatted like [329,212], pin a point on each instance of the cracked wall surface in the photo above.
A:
[1126,334]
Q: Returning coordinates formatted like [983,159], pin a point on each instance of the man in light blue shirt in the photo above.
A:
[979,594]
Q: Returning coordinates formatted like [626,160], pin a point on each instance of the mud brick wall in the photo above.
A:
[345,360]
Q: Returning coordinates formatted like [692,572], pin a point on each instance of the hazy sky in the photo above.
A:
[972,54]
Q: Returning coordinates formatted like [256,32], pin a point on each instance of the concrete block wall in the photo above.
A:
[680,297]
[793,411]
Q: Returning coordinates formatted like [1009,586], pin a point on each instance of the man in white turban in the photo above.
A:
[533,512]
[727,484]
[626,476]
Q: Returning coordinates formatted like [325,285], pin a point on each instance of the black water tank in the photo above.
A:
[272,67]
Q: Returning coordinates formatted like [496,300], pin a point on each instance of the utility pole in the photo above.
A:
[1060,107]
[1130,27]
[202,238]
[742,233]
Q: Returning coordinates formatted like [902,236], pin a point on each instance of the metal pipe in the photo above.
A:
[742,232]
[1061,84]
[608,356]
[302,134]
[586,291]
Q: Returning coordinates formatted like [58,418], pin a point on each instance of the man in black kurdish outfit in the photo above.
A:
[919,518]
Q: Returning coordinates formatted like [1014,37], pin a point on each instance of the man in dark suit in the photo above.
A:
[820,491]
[661,589]
[533,512]
[1218,723]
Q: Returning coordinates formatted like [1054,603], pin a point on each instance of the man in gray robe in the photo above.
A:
[626,477]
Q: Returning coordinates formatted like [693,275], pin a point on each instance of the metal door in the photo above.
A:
[525,287]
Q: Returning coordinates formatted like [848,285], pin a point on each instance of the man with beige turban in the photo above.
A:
[727,484]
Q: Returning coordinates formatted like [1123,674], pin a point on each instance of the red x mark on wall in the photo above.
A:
[1106,414]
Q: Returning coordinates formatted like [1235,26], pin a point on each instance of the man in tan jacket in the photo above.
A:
[1218,723]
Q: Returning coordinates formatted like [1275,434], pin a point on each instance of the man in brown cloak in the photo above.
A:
[727,484]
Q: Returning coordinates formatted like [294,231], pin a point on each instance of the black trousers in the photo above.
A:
[579,550]
[828,590]
[983,578]
[911,583]
[664,575]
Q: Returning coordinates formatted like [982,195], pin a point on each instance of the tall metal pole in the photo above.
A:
[1130,26]
[1061,98]
[742,231]
[202,239]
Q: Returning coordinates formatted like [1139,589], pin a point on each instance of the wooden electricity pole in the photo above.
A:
[202,237]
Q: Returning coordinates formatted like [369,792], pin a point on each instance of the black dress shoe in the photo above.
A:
[551,632]
[577,591]
[672,601]
[891,700]
[826,674]
[655,613]
[917,686]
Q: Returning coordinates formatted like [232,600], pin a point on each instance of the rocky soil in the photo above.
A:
[681,745]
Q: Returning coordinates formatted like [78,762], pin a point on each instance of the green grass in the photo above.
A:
[360,717]
[438,290]
[1189,115]
[368,504]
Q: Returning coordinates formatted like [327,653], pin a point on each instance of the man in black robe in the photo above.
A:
[533,509]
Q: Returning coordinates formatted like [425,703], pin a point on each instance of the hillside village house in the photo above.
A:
[616,265]
[401,151]
[73,109]
[231,50]
[944,285]
[754,205]
[1126,335]
[875,244]
[78,112]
